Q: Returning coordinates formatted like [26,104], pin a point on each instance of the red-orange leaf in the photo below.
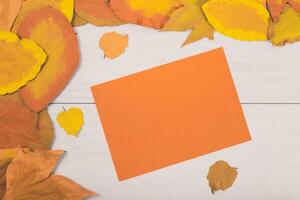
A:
[20,126]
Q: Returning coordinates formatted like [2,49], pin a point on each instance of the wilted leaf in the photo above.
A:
[52,31]
[64,6]
[20,61]
[239,19]
[71,120]
[113,44]
[96,12]
[19,126]
[9,10]
[221,176]
[6,156]
[29,176]
[276,7]
[287,29]
[144,12]
[190,16]
[78,21]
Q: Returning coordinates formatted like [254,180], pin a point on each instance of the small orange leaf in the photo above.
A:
[221,176]
[20,126]
[113,44]
[29,176]
[96,12]
[144,12]
[9,10]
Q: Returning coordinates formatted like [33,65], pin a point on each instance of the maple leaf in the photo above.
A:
[190,16]
[221,176]
[6,156]
[286,29]
[21,126]
[29,176]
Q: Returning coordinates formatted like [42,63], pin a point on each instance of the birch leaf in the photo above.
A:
[71,120]
[113,44]
[221,176]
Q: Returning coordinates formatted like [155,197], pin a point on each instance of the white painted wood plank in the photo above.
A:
[262,73]
[268,165]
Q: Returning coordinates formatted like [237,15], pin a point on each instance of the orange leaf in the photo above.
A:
[53,32]
[6,156]
[29,176]
[113,44]
[78,21]
[9,10]
[144,12]
[221,176]
[96,12]
[276,7]
[21,126]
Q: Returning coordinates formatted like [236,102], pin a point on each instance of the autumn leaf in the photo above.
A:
[71,120]
[64,6]
[29,176]
[113,44]
[78,21]
[53,32]
[6,156]
[20,61]
[190,16]
[96,12]
[20,126]
[144,12]
[287,29]
[276,7]
[221,176]
[9,10]
[239,19]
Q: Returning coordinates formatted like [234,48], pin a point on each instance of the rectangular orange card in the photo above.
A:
[170,113]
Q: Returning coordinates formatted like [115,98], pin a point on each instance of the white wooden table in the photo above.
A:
[268,82]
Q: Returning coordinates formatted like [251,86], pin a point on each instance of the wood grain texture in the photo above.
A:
[268,165]
[262,73]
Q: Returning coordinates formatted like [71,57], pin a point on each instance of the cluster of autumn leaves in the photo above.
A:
[249,20]
[40,53]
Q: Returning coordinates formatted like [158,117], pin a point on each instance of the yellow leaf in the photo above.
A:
[20,61]
[113,44]
[190,16]
[71,121]
[64,6]
[239,19]
[287,29]
[221,176]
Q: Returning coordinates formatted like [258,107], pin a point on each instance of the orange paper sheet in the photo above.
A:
[171,113]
